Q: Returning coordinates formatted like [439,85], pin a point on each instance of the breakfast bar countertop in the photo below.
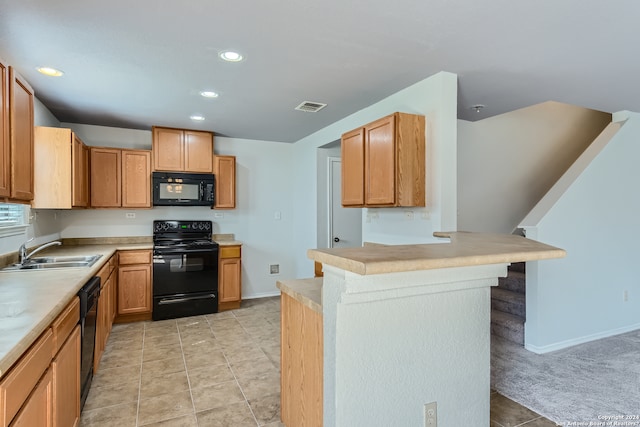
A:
[464,249]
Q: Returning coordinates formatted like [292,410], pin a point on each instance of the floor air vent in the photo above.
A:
[310,107]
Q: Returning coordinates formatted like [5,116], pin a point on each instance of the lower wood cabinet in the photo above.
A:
[301,364]
[37,410]
[43,387]
[230,278]
[65,370]
[134,285]
[106,308]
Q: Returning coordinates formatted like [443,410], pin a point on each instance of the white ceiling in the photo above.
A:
[138,63]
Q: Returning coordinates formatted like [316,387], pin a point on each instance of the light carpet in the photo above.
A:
[581,384]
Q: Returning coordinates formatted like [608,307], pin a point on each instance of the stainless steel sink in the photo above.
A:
[58,259]
[41,263]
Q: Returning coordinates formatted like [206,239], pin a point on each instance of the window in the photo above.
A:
[12,219]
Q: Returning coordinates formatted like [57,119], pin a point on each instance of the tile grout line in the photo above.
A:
[144,334]
[224,353]
[184,360]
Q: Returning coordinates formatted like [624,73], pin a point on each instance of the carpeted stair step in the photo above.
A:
[515,281]
[508,302]
[507,326]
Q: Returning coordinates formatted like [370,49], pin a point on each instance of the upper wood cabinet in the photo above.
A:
[181,150]
[106,177]
[5,158]
[383,163]
[16,136]
[136,179]
[224,168]
[61,163]
[120,178]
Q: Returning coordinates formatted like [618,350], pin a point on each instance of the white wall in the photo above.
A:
[263,187]
[508,162]
[581,297]
[434,97]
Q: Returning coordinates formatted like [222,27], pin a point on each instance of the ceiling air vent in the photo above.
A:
[310,107]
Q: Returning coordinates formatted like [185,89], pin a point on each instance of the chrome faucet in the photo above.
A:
[22,252]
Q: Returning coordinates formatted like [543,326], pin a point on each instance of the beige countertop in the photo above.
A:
[226,240]
[464,249]
[306,291]
[31,300]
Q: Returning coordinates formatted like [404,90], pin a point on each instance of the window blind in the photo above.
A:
[11,215]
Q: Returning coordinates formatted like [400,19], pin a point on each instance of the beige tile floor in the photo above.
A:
[215,370]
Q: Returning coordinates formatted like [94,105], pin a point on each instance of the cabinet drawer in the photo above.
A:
[23,377]
[135,257]
[230,251]
[64,324]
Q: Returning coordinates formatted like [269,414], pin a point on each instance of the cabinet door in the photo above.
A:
[136,179]
[37,411]
[66,382]
[52,153]
[21,135]
[352,148]
[79,173]
[379,164]
[229,286]
[105,177]
[134,289]
[225,171]
[168,150]
[5,160]
[198,151]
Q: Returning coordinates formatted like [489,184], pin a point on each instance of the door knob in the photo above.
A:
[336,239]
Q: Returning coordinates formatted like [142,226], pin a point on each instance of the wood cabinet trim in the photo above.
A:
[5,142]
[64,323]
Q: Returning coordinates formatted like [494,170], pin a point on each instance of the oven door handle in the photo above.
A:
[167,301]
[160,252]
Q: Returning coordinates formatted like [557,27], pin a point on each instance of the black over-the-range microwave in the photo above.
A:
[183,189]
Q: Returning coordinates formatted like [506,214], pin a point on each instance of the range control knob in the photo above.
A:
[207,226]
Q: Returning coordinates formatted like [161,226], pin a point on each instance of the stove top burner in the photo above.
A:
[182,235]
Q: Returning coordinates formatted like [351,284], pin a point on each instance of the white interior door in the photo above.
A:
[345,224]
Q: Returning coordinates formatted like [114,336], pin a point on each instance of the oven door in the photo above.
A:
[179,272]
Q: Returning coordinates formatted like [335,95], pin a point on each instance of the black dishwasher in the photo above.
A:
[88,317]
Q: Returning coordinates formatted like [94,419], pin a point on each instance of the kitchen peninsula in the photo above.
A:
[401,327]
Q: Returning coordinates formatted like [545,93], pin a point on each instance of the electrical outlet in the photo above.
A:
[218,215]
[431,414]
[274,269]
[130,215]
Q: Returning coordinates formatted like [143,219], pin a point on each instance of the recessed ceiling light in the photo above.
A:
[197,118]
[231,56]
[48,71]
[209,94]
[477,107]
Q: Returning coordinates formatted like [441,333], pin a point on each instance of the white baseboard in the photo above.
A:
[580,340]
[262,295]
